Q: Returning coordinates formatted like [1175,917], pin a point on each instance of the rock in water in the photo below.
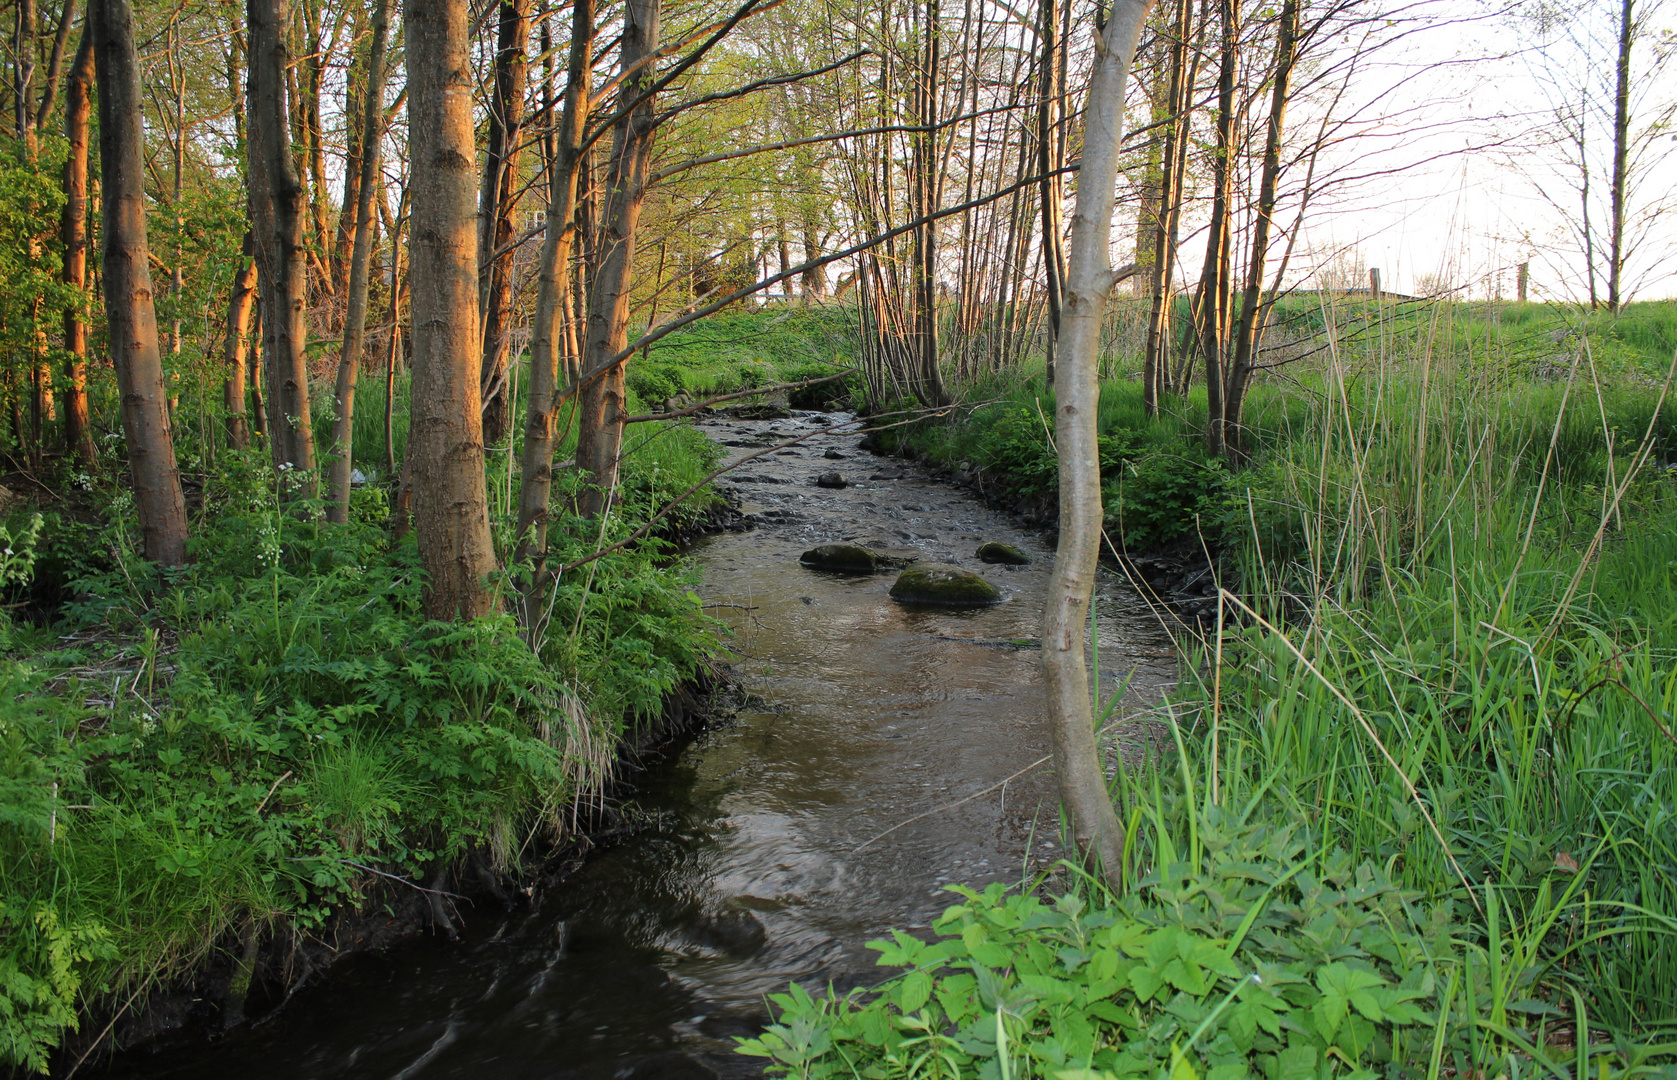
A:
[830,480]
[833,455]
[849,558]
[998,552]
[949,586]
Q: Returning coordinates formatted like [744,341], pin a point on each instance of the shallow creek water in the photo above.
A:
[771,849]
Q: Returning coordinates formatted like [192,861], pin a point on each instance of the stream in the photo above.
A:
[837,806]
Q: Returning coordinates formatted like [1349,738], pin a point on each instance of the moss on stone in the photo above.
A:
[949,586]
[849,558]
[997,552]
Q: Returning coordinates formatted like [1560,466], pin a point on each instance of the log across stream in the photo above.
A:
[837,807]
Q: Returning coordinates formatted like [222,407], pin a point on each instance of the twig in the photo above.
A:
[950,806]
[274,787]
[114,1018]
[404,881]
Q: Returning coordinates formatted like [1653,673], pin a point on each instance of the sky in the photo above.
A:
[1482,114]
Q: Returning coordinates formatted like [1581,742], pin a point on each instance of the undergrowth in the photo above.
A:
[275,732]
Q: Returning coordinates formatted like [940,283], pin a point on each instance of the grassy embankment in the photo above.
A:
[1423,818]
[196,775]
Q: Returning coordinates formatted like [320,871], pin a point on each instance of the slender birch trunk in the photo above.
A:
[1253,312]
[496,207]
[1621,157]
[1089,283]
[355,320]
[129,312]
[1212,314]
[549,334]
[78,112]
[445,436]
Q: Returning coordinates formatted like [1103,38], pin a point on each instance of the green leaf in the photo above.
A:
[914,991]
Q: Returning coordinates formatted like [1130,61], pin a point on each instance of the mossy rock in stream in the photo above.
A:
[997,552]
[948,586]
[846,558]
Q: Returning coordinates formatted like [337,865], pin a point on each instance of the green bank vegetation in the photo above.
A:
[1422,817]
[276,733]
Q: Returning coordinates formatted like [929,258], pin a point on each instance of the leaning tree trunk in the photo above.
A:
[277,212]
[600,410]
[445,436]
[342,468]
[1089,282]
[78,110]
[499,200]
[129,313]
[549,337]
[235,348]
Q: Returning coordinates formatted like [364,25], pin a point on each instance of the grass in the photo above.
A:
[1455,677]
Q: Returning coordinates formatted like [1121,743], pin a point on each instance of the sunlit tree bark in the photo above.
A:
[78,111]
[601,410]
[355,318]
[552,334]
[130,315]
[445,434]
[496,208]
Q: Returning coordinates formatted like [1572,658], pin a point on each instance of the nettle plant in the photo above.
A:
[1271,960]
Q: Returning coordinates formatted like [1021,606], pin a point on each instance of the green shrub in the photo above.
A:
[1270,958]
[1162,498]
[655,383]
[284,716]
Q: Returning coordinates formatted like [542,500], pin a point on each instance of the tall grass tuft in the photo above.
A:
[1463,609]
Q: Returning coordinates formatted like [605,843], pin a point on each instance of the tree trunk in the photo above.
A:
[1621,157]
[131,319]
[1155,377]
[1253,313]
[551,333]
[78,110]
[235,348]
[355,319]
[445,434]
[1050,156]
[1089,282]
[343,243]
[600,411]
[277,211]
[1212,317]
[926,197]
[23,70]
[499,201]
